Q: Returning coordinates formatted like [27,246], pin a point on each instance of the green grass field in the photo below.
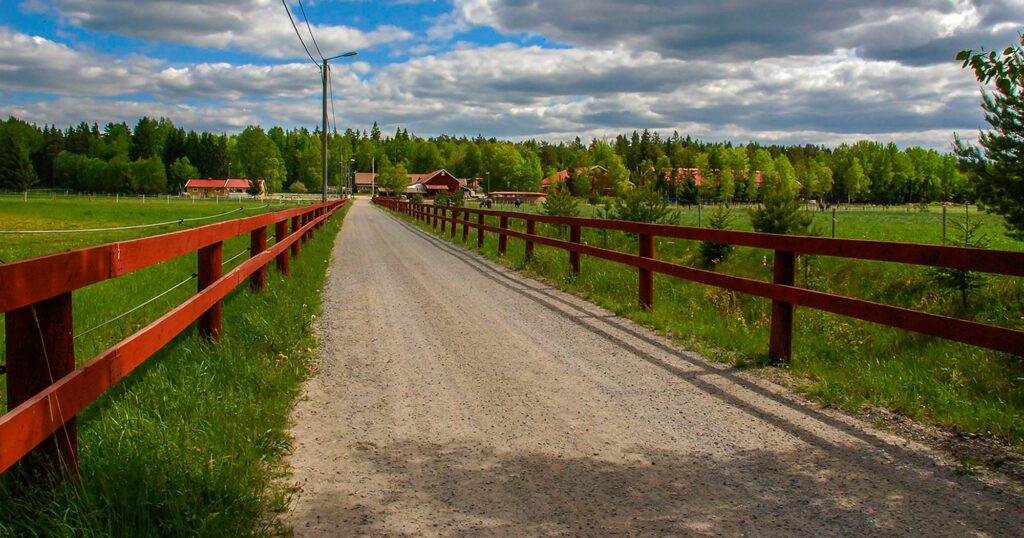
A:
[187,445]
[840,361]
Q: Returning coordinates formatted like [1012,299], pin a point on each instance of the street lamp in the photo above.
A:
[324,73]
[352,175]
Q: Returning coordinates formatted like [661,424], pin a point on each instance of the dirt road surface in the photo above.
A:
[457,398]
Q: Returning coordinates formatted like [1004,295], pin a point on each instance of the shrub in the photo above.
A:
[297,187]
[560,203]
[715,253]
[644,204]
[959,280]
[417,198]
[780,214]
[441,198]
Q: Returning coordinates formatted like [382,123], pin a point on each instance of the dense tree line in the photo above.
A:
[155,156]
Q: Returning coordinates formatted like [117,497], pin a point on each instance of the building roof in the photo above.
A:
[563,175]
[219,183]
[369,178]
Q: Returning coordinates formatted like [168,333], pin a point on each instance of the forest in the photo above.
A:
[156,156]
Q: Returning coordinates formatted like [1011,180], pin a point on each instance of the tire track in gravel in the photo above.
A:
[455,397]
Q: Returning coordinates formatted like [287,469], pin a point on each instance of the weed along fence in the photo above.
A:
[782,291]
[44,389]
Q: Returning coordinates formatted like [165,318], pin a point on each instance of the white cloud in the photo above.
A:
[32,63]
[257,27]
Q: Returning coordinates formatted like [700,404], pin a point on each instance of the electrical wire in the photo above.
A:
[117,228]
[115,318]
[308,27]
[298,34]
[154,298]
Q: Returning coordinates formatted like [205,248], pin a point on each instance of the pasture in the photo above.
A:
[197,421]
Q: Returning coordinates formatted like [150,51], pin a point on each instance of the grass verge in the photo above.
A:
[189,443]
[840,361]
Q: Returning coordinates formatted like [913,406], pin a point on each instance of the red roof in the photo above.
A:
[219,183]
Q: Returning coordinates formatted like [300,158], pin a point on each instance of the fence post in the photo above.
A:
[531,229]
[210,258]
[646,287]
[433,216]
[502,238]
[296,225]
[480,230]
[310,217]
[257,244]
[455,213]
[280,232]
[780,346]
[41,350]
[465,225]
[574,257]
[444,214]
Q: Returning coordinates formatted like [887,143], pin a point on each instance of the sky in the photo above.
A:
[784,71]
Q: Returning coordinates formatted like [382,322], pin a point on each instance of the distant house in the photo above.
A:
[427,184]
[209,188]
[680,175]
[598,178]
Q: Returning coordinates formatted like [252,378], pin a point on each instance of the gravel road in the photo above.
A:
[455,397]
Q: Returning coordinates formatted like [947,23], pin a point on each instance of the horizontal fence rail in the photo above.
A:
[44,389]
[783,292]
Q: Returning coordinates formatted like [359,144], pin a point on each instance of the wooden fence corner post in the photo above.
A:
[280,233]
[455,218]
[444,217]
[40,349]
[210,267]
[574,257]
[531,229]
[780,346]
[257,244]
[646,282]
[465,225]
[433,216]
[502,238]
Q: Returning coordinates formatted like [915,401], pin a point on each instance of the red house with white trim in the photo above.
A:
[210,188]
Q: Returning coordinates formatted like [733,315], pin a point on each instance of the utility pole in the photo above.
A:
[324,73]
[323,145]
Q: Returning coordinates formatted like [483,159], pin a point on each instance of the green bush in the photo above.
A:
[560,203]
[781,214]
[644,205]
[715,253]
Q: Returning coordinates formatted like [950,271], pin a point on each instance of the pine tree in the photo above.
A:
[16,171]
[999,170]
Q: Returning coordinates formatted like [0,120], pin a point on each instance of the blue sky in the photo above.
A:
[793,71]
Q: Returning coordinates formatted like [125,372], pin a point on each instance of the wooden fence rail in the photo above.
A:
[783,292]
[44,389]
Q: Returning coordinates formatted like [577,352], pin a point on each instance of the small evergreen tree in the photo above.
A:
[781,213]
[559,202]
[715,253]
[644,204]
[959,280]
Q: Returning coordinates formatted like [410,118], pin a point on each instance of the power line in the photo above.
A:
[308,27]
[117,228]
[297,34]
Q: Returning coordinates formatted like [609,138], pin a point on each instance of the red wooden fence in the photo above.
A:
[782,290]
[44,389]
